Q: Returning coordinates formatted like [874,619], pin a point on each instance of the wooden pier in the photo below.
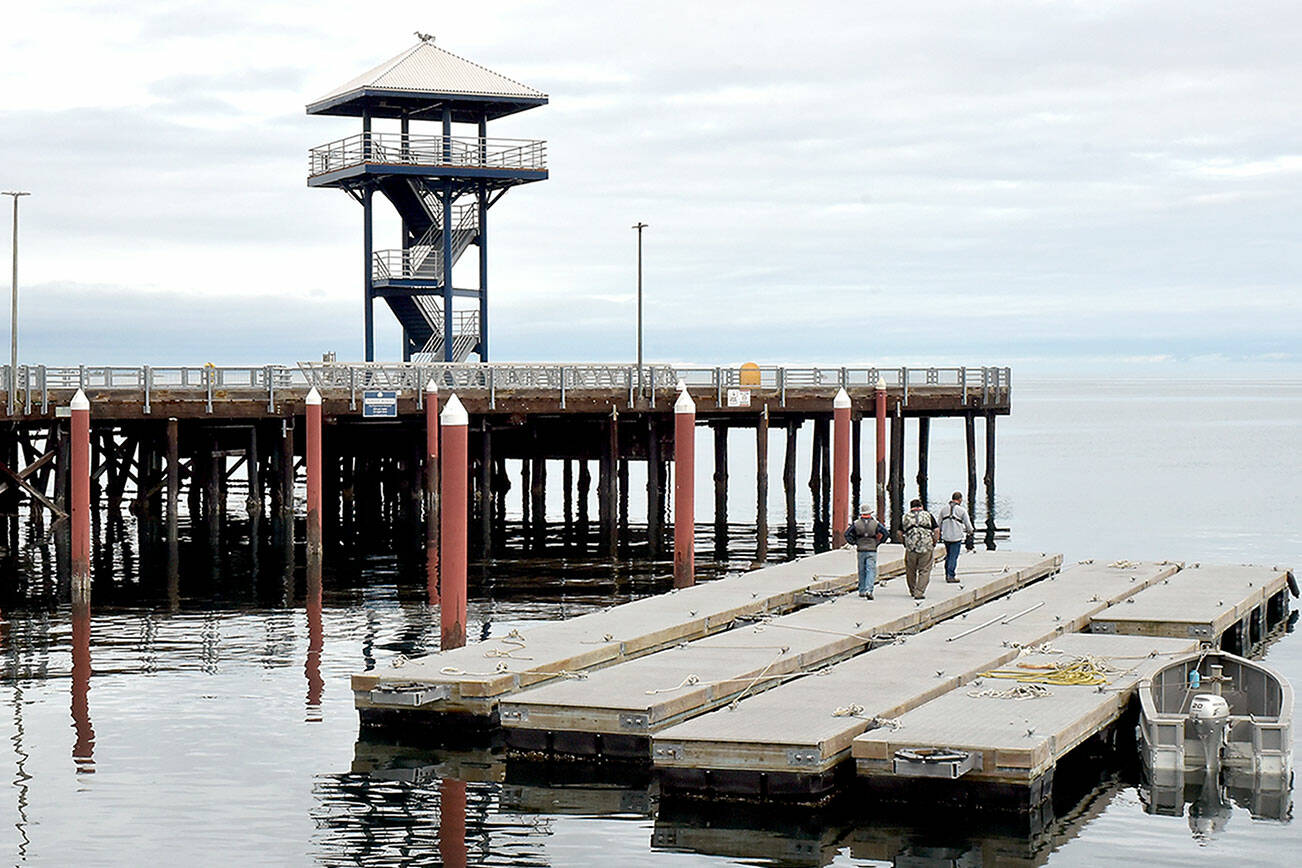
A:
[174,443]
[612,713]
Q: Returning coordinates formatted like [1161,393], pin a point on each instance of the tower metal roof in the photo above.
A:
[425,77]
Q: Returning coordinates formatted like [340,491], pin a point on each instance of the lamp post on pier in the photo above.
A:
[13,309]
[639,226]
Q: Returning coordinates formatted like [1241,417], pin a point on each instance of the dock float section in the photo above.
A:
[612,713]
[794,741]
[469,682]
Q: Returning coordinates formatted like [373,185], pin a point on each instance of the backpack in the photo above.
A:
[917,533]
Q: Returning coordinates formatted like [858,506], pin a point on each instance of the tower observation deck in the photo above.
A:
[441,185]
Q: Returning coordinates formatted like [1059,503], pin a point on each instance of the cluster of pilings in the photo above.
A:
[379,480]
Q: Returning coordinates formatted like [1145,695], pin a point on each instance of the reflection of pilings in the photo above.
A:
[83,748]
[452,823]
[315,639]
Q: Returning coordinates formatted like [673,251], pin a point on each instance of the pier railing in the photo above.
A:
[396,149]
[35,383]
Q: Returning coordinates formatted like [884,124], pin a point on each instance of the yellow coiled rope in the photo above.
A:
[1083,671]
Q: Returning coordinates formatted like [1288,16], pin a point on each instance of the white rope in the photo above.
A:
[1017,691]
[686,682]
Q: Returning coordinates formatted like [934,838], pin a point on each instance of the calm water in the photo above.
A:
[208,721]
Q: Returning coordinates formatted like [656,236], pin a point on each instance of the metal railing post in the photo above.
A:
[985,385]
[843,378]
[81,377]
[147,374]
[271,389]
[492,388]
[651,370]
[962,376]
[45,390]
[207,380]
[562,387]
[352,387]
[904,381]
[782,385]
[718,387]
[27,389]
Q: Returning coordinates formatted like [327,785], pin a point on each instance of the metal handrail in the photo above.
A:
[396,149]
[992,385]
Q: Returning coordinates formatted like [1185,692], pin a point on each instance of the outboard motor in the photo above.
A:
[1210,715]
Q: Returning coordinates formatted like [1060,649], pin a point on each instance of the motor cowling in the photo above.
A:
[1209,709]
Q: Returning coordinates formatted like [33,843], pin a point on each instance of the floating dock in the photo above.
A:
[1001,730]
[794,741]
[471,681]
[1213,604]
[613,712]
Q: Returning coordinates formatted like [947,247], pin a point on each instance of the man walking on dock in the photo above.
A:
[865,534]
[920,536]
[955,527]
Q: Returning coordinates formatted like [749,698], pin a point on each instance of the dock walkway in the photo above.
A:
[471,681]
[789,741]
[613,712]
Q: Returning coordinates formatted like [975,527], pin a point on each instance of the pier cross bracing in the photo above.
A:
[176,441]
[441,185]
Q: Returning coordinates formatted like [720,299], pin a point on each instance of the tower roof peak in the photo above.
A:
[425,77]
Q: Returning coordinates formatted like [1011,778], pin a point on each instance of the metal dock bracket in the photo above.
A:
[935,762]
[408,695]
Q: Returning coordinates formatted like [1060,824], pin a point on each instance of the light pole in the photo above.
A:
[639,226]
[13,310]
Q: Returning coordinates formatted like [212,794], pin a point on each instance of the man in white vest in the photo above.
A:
[955,527]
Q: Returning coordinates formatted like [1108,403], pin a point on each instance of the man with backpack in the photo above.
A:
[920,536]
[955,527]
[865,534]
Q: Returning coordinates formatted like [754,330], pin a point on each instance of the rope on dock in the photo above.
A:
[1079,671]
[1017,691]
[686,682]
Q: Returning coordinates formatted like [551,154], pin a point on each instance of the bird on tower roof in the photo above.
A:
[425,76]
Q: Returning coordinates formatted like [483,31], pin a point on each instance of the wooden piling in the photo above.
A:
[622,480]
[486,490]
[538,503]
[897,472]
[720,490]
[840,462]
[654,505]
[612,481]
[684,491]
[990,481]
[312,455]
[816,483]
[762,487]
[879,411]
[969,426]
[567,502]
[80,495]
[789,484]
[924,440]
[454,425]
[526,496]
[856,467]
[584,495]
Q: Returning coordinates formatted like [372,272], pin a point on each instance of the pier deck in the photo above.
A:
[1203,602]
[472,680]
[613,712]
[789,741]
[1017,742]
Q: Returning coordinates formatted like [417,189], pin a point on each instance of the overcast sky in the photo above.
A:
[1059,186]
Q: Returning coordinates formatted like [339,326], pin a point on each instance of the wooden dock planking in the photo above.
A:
[1020,740]
[1201,603]
[796,728]
[643,696]
[472,679]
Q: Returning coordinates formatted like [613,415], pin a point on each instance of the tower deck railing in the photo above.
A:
[397,149]
[40,386]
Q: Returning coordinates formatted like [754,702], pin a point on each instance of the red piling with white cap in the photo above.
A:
[312,460]
[879,395]
[432,492]
[684,490]
[80,484]
[840,462]
[454,423]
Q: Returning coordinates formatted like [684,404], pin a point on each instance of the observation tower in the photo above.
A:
[441,185]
